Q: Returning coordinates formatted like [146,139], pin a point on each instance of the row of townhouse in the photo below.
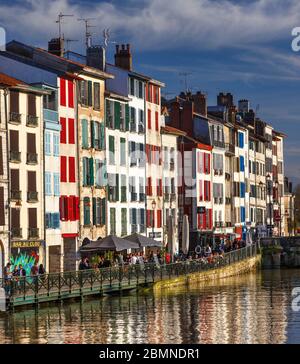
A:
[87,150]
[232,185]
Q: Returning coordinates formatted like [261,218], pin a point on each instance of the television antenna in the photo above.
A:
[59,22]
[106,37]
[88,34]
[185,75]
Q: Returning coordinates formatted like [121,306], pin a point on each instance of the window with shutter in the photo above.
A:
[85,141]
[63,169]
[102,136]
[117,115]
[56,184]
[14,102]
[14,140]
[72,177]
[90,93]
[111,149]
[91,173]
[94,211]
[103,211]
[47,143]
[149,119]
[62,92]
[96,95]
[86,211]
[32,218]
[63,132]
[71,131]
[123,221]
[71,94]
[31,104]
[48,222]
[48,191]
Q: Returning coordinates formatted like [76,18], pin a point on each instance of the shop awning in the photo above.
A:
[111,242]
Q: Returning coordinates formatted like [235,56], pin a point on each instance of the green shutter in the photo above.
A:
[91,167]
[106,112]
[85,142]
[86,210]
[102,136]
[94,211]
[84,172]
[103,211]
[127,116]
[90,93]
[93,124]
[117,115]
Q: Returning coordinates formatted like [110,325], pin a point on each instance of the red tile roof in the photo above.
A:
[10,81]
[171,130]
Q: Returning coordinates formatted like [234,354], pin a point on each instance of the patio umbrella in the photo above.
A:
[143,241]
[185,235]
[111,242]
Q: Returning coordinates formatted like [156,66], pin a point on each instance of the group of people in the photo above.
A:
[19,271]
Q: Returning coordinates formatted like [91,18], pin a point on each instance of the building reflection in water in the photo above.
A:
[247,309]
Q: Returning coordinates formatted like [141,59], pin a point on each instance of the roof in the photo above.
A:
[116,96]
[14,83]
[10,81]
[171,130]
[198,144]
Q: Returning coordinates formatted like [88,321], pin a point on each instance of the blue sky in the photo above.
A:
[243,47]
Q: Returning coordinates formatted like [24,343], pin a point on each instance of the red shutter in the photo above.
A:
[153,93]
[71,94]
[160,187]
[71,208]
[77,208]
[149,186]
[62,92]
[72,169]
[201,190]
[63,132]
[199,221]
[156,121]
[148,218]
[63,207]
[209,191]
[149,119]
[71,131]
[205,191]
[208,164]
[159,218]
[63,169]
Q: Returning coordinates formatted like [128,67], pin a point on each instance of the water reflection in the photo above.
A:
[255,308]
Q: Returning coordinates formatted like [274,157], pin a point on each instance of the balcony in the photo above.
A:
[230,148]
[15,118]
[15,195]
[32,196]
[32,158]
[16,232]
[33,233]
[15,156]
[142,197]
[218,144]
[32,121]
[133,196]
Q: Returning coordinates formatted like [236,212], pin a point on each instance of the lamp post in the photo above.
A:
[153,218]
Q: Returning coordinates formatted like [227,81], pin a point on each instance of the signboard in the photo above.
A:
[26,244]
[201,210]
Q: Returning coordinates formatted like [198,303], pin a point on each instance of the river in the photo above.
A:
[253,308]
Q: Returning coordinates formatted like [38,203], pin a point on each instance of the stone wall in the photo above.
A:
[242,267]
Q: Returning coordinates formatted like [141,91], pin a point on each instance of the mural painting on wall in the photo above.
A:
[25,255]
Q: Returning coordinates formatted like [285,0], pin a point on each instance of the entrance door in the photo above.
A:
[54,259]
[69,254]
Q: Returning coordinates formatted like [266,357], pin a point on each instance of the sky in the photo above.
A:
[237,46]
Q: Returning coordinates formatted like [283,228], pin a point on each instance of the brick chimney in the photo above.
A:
[225,99]
[56,47]
[175,115]
[200,103]
[123,57]
[95,57]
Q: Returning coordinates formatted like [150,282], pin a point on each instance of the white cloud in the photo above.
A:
[194,24]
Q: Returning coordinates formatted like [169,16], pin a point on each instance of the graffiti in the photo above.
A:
[26,258]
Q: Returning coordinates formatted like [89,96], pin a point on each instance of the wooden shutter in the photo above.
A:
[63,169]
[94,211]
[2,213]
[14,140]
[31,104]
[90,93]
[93,135]
[15,218]
[71,208]
[103,211]
[117,115]
[1,158]
[159,218]
[14,180]
[32,218]
[127,116]
[71,132]
[31,181]
[62,92]
[96,95]
[14,101]
[31,144]
[156,121]
[72,169]
[91,169]
[63,132]
[85,142]
[71,94]
[149,119]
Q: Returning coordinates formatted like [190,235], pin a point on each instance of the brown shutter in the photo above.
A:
[31,181]
[15,218]
[32,218]
[2,215]
[14,101]
[31,148]
[14,178]
[1,157]
[14,140]
[31,104]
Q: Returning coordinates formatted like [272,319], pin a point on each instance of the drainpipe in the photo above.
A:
[7,169]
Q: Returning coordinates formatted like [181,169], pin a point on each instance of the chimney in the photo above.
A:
[225,99]
[187,122]
[200,103]
[244,106]
[123,57]
[56,46]
[95,57]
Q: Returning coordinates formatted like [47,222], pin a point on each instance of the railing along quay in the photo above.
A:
[60,286]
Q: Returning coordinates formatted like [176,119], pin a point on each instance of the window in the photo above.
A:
[243,190]
[101,178]
[242,164]
[123,152]
[88,171]
[49,101]
[71,94]
[132,86]
[123,221]
[55,145]
[96,211]
[63,169]
[86,211]
[63,132]
[123,188]
[141,88]
[110,114]
[241,139]
[149,119]
[111,142]
[96,95]
[62,92]
[113,187]
[156,121]
[48,189]
[132,119]
[71,131]
[72,177]
[47,143]
[56,184]
[84,92]
[84,126]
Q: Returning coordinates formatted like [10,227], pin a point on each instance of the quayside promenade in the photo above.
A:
[79,284]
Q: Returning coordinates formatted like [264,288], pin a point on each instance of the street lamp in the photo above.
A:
[153,219]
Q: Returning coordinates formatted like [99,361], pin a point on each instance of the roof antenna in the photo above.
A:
[88,34]
[185,75]
[106,37]
[59,21]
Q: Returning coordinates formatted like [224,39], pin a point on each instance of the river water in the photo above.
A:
[253,308]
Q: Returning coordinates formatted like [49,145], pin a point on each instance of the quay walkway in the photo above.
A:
[77,285]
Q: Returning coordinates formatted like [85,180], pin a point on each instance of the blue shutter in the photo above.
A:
[47,143]
[242,190]
[55,219]
[242,164]
[56,145]
[48,220]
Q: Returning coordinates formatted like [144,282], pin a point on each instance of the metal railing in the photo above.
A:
[33,289]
